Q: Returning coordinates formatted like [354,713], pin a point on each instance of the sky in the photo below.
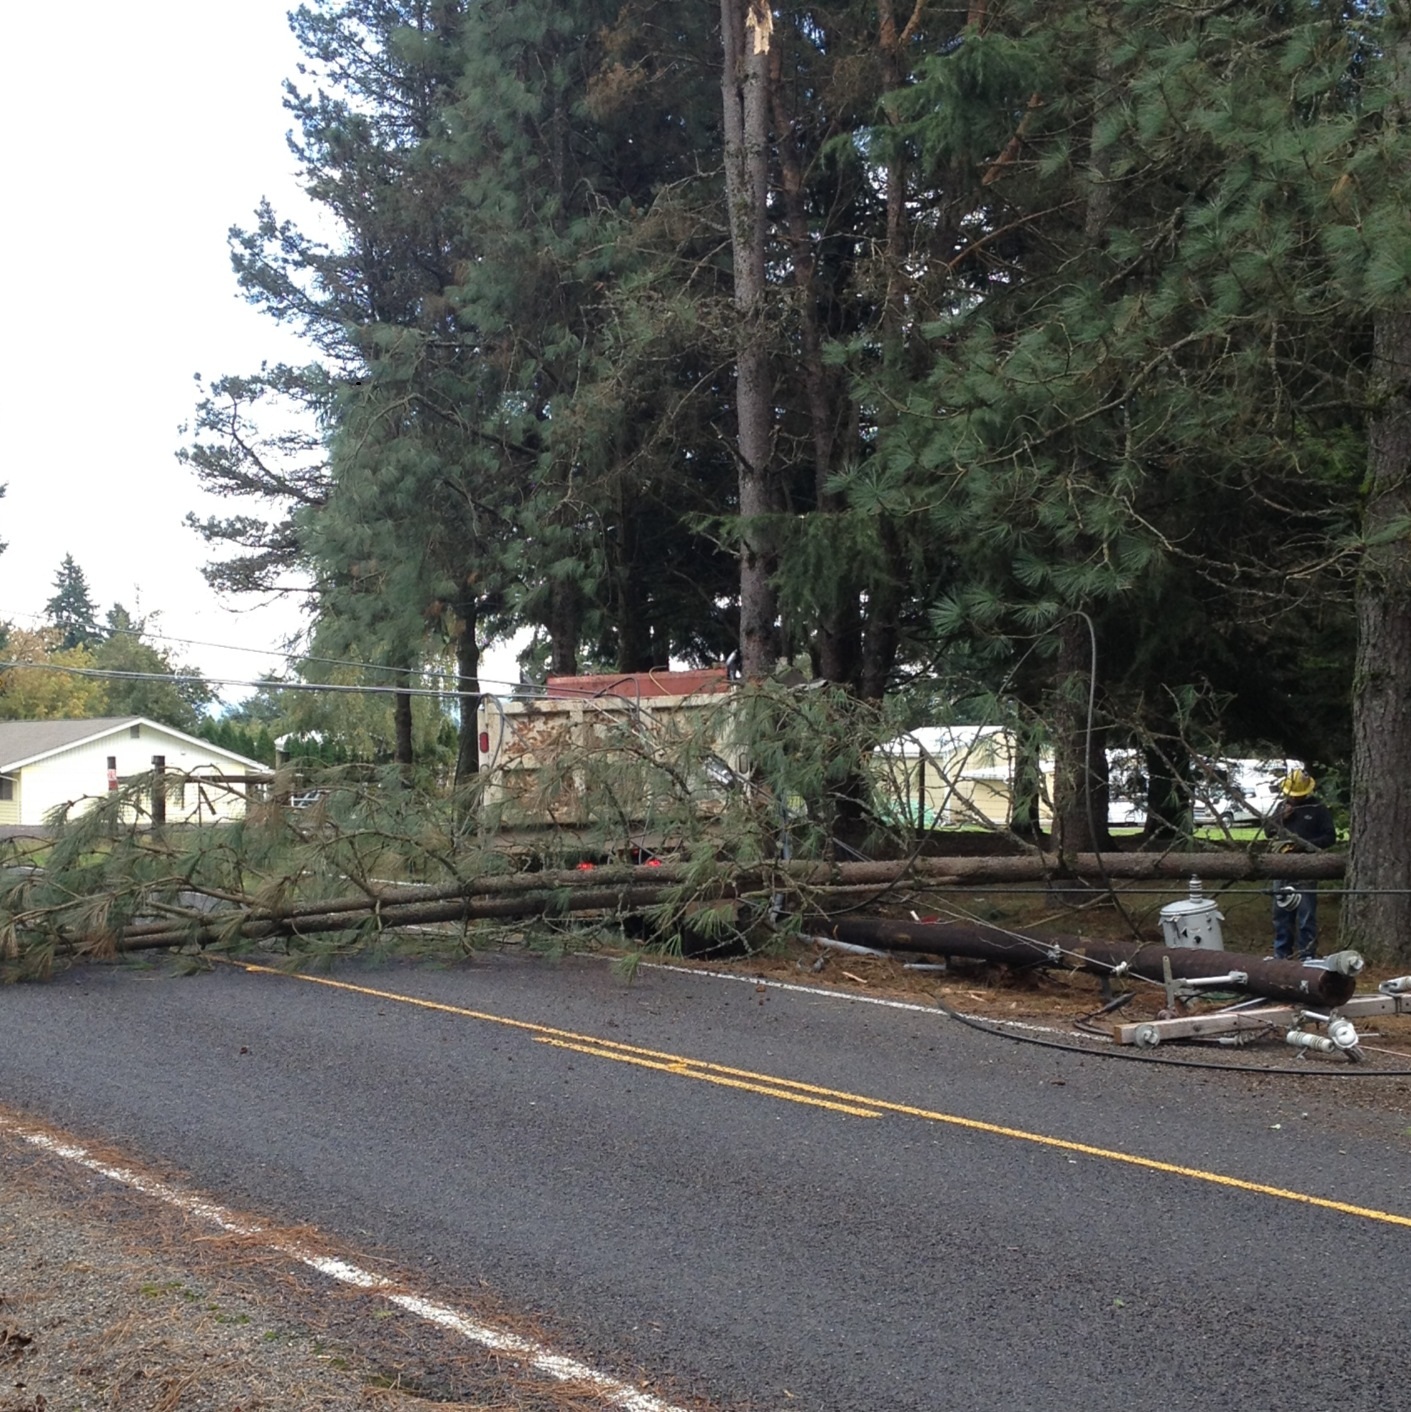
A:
[137,135]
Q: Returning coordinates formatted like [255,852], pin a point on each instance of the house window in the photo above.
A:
[7,788]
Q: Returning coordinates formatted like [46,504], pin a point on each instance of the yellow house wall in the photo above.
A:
[953,795]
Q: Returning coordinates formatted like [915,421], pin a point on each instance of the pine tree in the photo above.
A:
[447,142]
[71,609]
[1043,324]
[1377,910]
[864,231]
[1135,403]
[258,439]
[253,742]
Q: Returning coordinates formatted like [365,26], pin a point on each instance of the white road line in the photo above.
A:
[827,994]
[542,1359]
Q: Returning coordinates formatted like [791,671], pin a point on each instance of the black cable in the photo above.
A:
[1083,1022]
[1088,777]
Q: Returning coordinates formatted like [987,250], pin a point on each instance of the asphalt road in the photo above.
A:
[857,1207]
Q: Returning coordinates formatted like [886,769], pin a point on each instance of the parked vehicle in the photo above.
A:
[1224,791]
[1242,791]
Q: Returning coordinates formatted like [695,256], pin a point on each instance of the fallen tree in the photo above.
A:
[209,916]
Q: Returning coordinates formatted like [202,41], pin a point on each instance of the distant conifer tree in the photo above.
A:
[71,608]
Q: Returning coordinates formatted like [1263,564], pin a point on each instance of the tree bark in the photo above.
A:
[1168,791]
[468,692]
[1074,822]
[612,888]
[403,752]
[746,27]
[1028,789]
[565,626]
[1080,790]
[885,593]
[837,631]
[1376,915]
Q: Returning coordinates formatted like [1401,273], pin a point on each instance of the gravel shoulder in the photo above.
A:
[109,1300]
[92,1318]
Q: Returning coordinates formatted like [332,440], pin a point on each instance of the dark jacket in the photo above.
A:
[1308,819]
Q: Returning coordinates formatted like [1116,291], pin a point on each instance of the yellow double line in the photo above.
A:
[717,1074]
[836,1100]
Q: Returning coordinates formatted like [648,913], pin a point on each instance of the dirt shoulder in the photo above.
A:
[111,1300]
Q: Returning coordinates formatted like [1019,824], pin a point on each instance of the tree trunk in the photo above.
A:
[630,600]
[746,27]
[838,628]
[402,750]
[885,593]
[1074,821]
[1376,915]
[1168,794]
[468,690]
[1027,789]
[565,627]
[517,894]
[1079,808]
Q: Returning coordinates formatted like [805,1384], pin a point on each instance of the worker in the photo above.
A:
[1302,821]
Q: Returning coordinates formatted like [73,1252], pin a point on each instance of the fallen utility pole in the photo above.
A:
[1290,981]
[1226,865]
[1148,1033]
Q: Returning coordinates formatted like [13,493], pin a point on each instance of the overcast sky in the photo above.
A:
[138,135]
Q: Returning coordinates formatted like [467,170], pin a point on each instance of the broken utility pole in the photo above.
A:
[1290,981]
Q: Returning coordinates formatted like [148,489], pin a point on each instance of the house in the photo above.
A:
[956,776]
[963,775]
[44,764]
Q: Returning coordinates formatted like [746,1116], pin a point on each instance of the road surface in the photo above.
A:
[768,1197]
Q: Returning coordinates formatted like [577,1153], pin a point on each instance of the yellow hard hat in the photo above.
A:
[1296,784]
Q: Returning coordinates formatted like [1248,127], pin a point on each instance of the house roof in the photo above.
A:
[635,685]
[24,742]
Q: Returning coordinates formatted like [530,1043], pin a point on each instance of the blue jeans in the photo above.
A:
[1296,928]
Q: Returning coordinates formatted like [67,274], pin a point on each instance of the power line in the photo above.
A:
[199,679]
[149,636]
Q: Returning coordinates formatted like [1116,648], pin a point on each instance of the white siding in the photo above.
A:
[80,775]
